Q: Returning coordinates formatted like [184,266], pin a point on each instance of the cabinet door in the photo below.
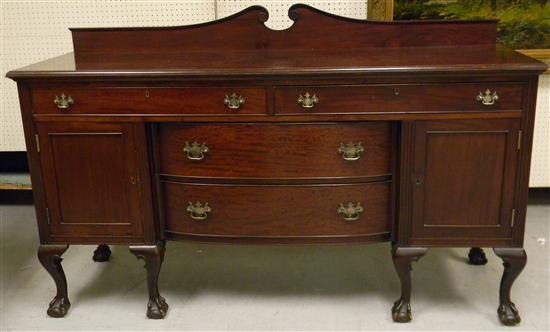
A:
[464,179]
[91,176]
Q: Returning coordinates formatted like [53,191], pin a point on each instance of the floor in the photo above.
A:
[315,287]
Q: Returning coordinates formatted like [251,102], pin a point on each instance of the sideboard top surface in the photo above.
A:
[318,43]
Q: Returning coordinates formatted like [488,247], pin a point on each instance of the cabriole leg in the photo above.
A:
[50,258]
[514,260]
[402,259]
[153,255]
[476,256]
[102,253]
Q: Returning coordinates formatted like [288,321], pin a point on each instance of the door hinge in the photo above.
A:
[519,139]
[48,216]
[37,143]
[513,218]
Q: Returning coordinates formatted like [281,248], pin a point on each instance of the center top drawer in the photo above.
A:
[75,99]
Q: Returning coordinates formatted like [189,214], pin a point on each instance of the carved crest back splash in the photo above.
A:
[332,131]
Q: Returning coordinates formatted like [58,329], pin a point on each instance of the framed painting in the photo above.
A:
[380,10]
[524,25]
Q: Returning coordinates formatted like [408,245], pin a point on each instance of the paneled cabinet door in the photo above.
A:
[91,174]
[464,179]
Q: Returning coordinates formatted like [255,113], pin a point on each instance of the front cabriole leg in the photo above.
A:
[50,258]
[402,259]
[514,260]
[153,255]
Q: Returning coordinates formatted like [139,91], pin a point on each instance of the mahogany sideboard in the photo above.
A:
[334,130]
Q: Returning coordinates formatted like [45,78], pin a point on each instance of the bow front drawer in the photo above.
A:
[224,101]
[282,151]
[277,211]
[457,97]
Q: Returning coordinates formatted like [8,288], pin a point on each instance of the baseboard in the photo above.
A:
[13,161]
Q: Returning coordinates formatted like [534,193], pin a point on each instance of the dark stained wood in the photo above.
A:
[146,100]
[277,211]
[276,151]
[91,175]
[397,98]
[481,157]
[402,261]
[514,260]
[439,168]
[245,31]
[50,258]
[153,255]
[33,157]
[270,240]
[333,64]
[378,116]
[524,162]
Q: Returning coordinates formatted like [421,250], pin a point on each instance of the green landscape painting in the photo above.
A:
[523,24]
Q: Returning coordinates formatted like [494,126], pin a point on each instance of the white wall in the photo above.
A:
[35,30]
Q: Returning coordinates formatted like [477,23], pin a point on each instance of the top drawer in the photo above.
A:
[456,97]
[149,100]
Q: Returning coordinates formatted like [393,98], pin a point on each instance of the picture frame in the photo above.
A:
[380,10]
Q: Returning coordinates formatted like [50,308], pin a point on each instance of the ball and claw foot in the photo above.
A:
[476,256]
[401,312]
[102,253]
[58,307]
[508,314]
[157,309]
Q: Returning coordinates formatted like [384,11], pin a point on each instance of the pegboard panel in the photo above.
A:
[540,162]
[33,31]
[278,9]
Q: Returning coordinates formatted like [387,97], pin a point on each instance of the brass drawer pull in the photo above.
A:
[63,102]
[487,98]
[307,100]
[350,212]
[195,150]
[198,211]
[233,101]
[351,151]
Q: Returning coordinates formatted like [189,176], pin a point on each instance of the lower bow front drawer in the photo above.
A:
[290,151]
[277,210]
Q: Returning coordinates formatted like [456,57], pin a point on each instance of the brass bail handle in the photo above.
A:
[351,151]
[198,211]
[63,102]
[195,150]
[487,98]
[350,211]
[307,100]
[233,101]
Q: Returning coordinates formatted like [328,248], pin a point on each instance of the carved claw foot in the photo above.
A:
[157,308]
[401,312]
[58,307]
[102,253]
[153,255]
[49,256]
[513,260]
[402,261]
[476,256]
[508,314]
